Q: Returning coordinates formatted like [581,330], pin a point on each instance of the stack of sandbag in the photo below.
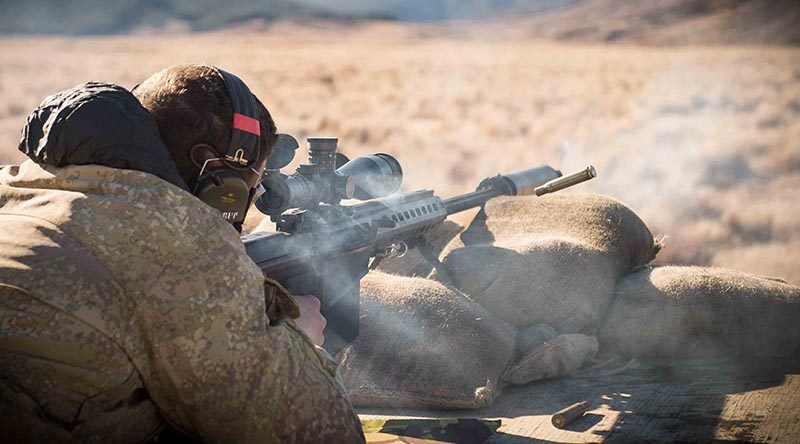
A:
[426,345]
[553,259]
[672,311]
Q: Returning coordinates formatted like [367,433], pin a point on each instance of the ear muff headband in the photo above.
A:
[246,128]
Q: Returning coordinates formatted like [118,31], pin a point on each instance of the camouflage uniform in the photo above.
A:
[125,300]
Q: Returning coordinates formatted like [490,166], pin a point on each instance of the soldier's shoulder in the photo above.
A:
[141,203]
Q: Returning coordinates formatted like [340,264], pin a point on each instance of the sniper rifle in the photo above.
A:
[324,248]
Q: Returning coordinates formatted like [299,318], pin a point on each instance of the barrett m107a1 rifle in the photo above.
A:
[324,248]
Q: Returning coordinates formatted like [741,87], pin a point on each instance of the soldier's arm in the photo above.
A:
[217,369]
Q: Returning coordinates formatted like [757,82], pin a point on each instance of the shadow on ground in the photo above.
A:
[696,400]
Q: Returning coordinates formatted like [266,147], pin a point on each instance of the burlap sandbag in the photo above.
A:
[687,311]
[541,353]
[423,344]
[553,259]
[559,356]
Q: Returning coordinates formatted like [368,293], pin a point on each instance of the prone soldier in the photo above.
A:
[128,302]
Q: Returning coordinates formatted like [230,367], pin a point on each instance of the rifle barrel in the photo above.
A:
[539,180]
[469,200]
[516,183]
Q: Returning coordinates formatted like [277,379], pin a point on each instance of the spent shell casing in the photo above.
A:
[569,414]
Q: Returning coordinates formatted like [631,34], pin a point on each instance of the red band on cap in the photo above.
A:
[246,124]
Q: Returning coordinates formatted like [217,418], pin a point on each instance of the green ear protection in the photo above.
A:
[224,189]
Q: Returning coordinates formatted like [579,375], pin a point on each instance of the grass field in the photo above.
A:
[703,142]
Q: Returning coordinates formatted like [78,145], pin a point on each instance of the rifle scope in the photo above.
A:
[320,181]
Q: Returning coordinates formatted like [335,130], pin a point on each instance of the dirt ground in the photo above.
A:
[703,142]
[702,400]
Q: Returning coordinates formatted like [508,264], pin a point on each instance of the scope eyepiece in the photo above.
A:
[283,192]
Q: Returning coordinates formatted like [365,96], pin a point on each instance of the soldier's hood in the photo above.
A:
[97,123]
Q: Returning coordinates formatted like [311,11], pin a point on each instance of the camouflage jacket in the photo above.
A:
[125,301]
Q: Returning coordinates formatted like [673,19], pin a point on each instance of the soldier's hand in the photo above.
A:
[311,320]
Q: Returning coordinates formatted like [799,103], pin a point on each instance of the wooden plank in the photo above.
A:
[693,400]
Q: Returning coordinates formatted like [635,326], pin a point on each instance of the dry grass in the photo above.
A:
[703,142]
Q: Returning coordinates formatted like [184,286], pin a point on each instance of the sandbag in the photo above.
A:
[559,281]
[423,344]
[558,356]
[553,259]
[530,338]
[674,311]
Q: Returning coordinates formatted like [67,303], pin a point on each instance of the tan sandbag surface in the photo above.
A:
[556,357]
[674,311]
[425,345]
[558,281]
[599,221]
[553,259]
[531,337]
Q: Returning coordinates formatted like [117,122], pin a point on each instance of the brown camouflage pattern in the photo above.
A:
[125,301]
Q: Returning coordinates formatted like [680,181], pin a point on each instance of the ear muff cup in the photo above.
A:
[227,192]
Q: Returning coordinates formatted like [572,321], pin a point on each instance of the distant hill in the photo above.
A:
[659,22]
[671,22]
[442,10]
[652,22]
[121,16]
